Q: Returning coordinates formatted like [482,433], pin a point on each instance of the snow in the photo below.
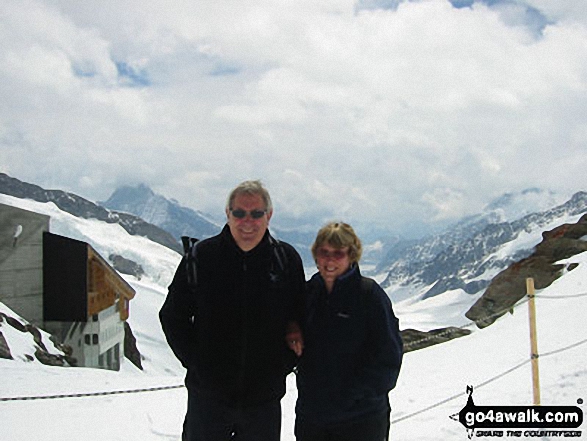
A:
[444,310]
[431,387]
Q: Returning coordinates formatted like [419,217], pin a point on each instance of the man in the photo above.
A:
[232,329]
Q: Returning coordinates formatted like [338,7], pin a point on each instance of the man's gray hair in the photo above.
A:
[250,188]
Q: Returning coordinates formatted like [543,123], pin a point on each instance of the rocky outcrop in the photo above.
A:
[63,357]
[4,349]
[49,359]
[126,266]
[130,347]
[41,352]
[509,286]
[414,339]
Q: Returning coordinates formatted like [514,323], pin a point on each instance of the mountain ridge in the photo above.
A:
[178,220]
[493,236]
[167,214]
[81,207]
[459,257]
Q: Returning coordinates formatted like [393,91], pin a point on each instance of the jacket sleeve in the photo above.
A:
[296,287]
[379,370]
[177,317]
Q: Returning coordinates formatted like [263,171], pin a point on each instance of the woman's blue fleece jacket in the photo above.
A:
[353,351]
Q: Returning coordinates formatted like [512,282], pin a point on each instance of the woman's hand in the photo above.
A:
[294,338]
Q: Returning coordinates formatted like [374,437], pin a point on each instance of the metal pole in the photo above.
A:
[533,340]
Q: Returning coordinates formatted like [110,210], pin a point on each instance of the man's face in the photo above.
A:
[247,231]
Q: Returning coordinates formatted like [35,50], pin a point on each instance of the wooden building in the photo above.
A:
[21,261]
[63,286]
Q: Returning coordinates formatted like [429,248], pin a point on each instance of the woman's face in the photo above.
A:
[332,262]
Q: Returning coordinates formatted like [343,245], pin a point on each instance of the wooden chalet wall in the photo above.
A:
[105,287]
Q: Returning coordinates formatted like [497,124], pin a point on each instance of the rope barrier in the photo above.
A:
[486,382]
[454,397]
[573,296]
[403,418]
[556,351]
[179,386]
[503,311]
[93,394]
[503,374]
[471,324]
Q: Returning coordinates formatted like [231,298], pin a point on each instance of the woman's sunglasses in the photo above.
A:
[336,254]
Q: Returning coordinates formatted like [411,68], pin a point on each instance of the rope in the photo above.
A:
[180,386]
[573,296]
[499,313]
[446,400]
[93,394]
[471,324]
[518,366]
[556,351]
[403,418]
[486,382]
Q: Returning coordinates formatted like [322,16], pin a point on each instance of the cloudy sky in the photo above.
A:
[398,113]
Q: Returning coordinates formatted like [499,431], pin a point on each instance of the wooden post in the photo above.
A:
[533,340]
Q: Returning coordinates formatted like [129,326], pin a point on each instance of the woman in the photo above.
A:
[352,347]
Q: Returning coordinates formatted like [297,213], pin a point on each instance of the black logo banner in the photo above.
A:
[545,418]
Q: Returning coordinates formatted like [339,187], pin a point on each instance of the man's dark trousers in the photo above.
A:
[209,419]
[372,428]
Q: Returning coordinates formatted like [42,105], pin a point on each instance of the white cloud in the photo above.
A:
[562,10]
[395,115]
[446,201]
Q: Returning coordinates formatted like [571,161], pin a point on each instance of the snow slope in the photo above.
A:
[149,405]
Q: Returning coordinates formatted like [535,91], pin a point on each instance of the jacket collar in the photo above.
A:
[227,235]
[353,273]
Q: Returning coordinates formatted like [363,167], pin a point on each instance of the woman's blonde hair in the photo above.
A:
[339,235]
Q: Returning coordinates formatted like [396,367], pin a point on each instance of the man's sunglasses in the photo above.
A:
[336,254]
[241,214]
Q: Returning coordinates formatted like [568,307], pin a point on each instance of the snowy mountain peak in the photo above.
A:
[83,208]
[130,195]
[156,209]
[515,205]
[470,253]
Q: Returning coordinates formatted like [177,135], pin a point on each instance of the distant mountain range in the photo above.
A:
[179,221]
[464,256]
[468,255]
[83,208]
[488,255]
[140,211]
[158,210]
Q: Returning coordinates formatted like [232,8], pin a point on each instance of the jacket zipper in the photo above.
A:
[244,337]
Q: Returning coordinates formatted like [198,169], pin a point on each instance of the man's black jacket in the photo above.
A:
[229,331]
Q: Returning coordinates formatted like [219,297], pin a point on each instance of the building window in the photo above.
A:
[91,339]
